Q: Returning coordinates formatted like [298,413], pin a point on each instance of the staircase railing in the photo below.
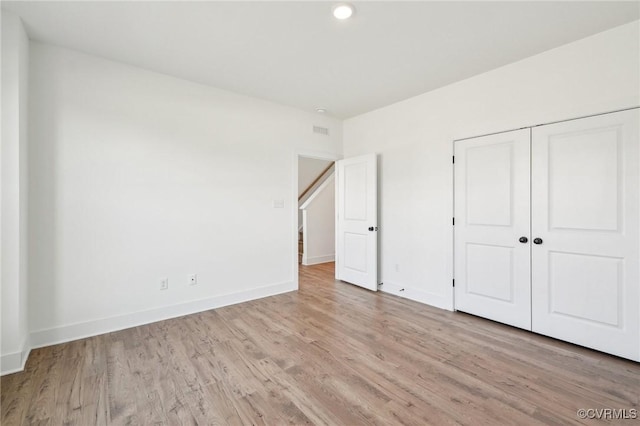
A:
[317,182]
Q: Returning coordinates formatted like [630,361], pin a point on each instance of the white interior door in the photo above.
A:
[492,215]
[357,221]
[585,191]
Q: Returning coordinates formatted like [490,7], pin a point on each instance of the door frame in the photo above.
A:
[317,155]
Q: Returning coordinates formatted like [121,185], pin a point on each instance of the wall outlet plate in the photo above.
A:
[164,283]
[193,279]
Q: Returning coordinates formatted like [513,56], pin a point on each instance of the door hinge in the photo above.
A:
[453,159]
[454,282]
[453,221]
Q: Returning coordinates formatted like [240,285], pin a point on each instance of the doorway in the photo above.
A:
[315,211]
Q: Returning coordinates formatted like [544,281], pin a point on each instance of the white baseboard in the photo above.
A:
[83,330]
[314,260]
[14,362]
[437,300]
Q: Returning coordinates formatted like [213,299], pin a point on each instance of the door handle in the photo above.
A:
[537,241]
[523,240]
[373,228]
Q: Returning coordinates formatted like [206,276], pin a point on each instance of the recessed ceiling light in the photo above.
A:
[321,110]
[343,11]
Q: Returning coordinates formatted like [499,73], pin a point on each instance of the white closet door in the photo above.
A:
[492,213]
[585,267]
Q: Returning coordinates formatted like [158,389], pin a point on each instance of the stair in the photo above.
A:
[306,195]
[300,247]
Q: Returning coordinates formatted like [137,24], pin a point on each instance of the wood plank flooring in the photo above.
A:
[331,353]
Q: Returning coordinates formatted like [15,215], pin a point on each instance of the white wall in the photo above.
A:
[137,176]
[15,66]
[414,139]
[320,225]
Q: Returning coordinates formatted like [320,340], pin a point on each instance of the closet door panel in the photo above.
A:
[492,268]
[585,271]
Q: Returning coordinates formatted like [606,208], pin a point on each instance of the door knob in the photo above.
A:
[537,241]
[523,240]
[373,228]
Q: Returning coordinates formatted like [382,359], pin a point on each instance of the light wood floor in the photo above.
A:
[330,353]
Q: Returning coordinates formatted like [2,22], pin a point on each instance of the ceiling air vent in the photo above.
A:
[321,130]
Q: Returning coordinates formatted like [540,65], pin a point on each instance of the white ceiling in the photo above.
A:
[296,53]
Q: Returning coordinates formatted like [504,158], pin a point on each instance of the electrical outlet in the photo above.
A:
[193,279]
[164,283]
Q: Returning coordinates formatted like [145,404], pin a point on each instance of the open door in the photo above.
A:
[357,221]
